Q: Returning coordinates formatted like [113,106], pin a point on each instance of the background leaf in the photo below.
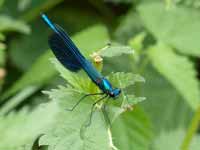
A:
[173,140]
[9,24]
[176,113]
[123,80]
[127,27]
[112,51]
[126,138]
[175,26]
[29,125]
[179,70]
[36,76]
[78,137]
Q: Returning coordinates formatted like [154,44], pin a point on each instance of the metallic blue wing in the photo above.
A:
[67,52]
[63,47]
[63,53]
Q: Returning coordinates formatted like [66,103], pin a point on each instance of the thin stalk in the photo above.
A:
[112,146]
[191,130]
[16,100]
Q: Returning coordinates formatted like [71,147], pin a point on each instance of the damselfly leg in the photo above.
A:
[81,99]
[92,109]
[105,113]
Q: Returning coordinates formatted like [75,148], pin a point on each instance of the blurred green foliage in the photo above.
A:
[154,42]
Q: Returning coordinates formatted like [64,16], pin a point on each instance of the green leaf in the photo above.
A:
[189,3]
[179,70]
[23,4]
[112,51]
[137,41]
[29,125]
[71,132]
[77,80]
[165,106]
[58,132]
[29,47]
[82,82]
[2,37]
[38,6]
[40,73]
[10,24]
[92,39]
[172,26]
[133,100]
[174,139]
[132,130]
[127,27]
[17,99]
[123,80]
[1,3]
[195,143]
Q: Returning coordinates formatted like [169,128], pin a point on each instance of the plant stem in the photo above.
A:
[191,130]
[112,146]
[16,100]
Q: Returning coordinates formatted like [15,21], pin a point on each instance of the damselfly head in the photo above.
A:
[115,93]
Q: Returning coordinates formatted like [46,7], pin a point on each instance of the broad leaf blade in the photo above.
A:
[39,74]
[92,39]
[176,26]
[165,106]
[29,125]
[132,130]
[123,80]
[112,51]
[129,26]
[69,130]
[9,24]
[179,70]
[77,80]
[173,140]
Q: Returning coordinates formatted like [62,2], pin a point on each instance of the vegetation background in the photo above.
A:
[164,36]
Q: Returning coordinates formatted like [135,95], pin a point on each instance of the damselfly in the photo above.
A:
[69,55]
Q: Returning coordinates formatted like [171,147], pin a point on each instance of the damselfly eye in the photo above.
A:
[115,92]
[111,93]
